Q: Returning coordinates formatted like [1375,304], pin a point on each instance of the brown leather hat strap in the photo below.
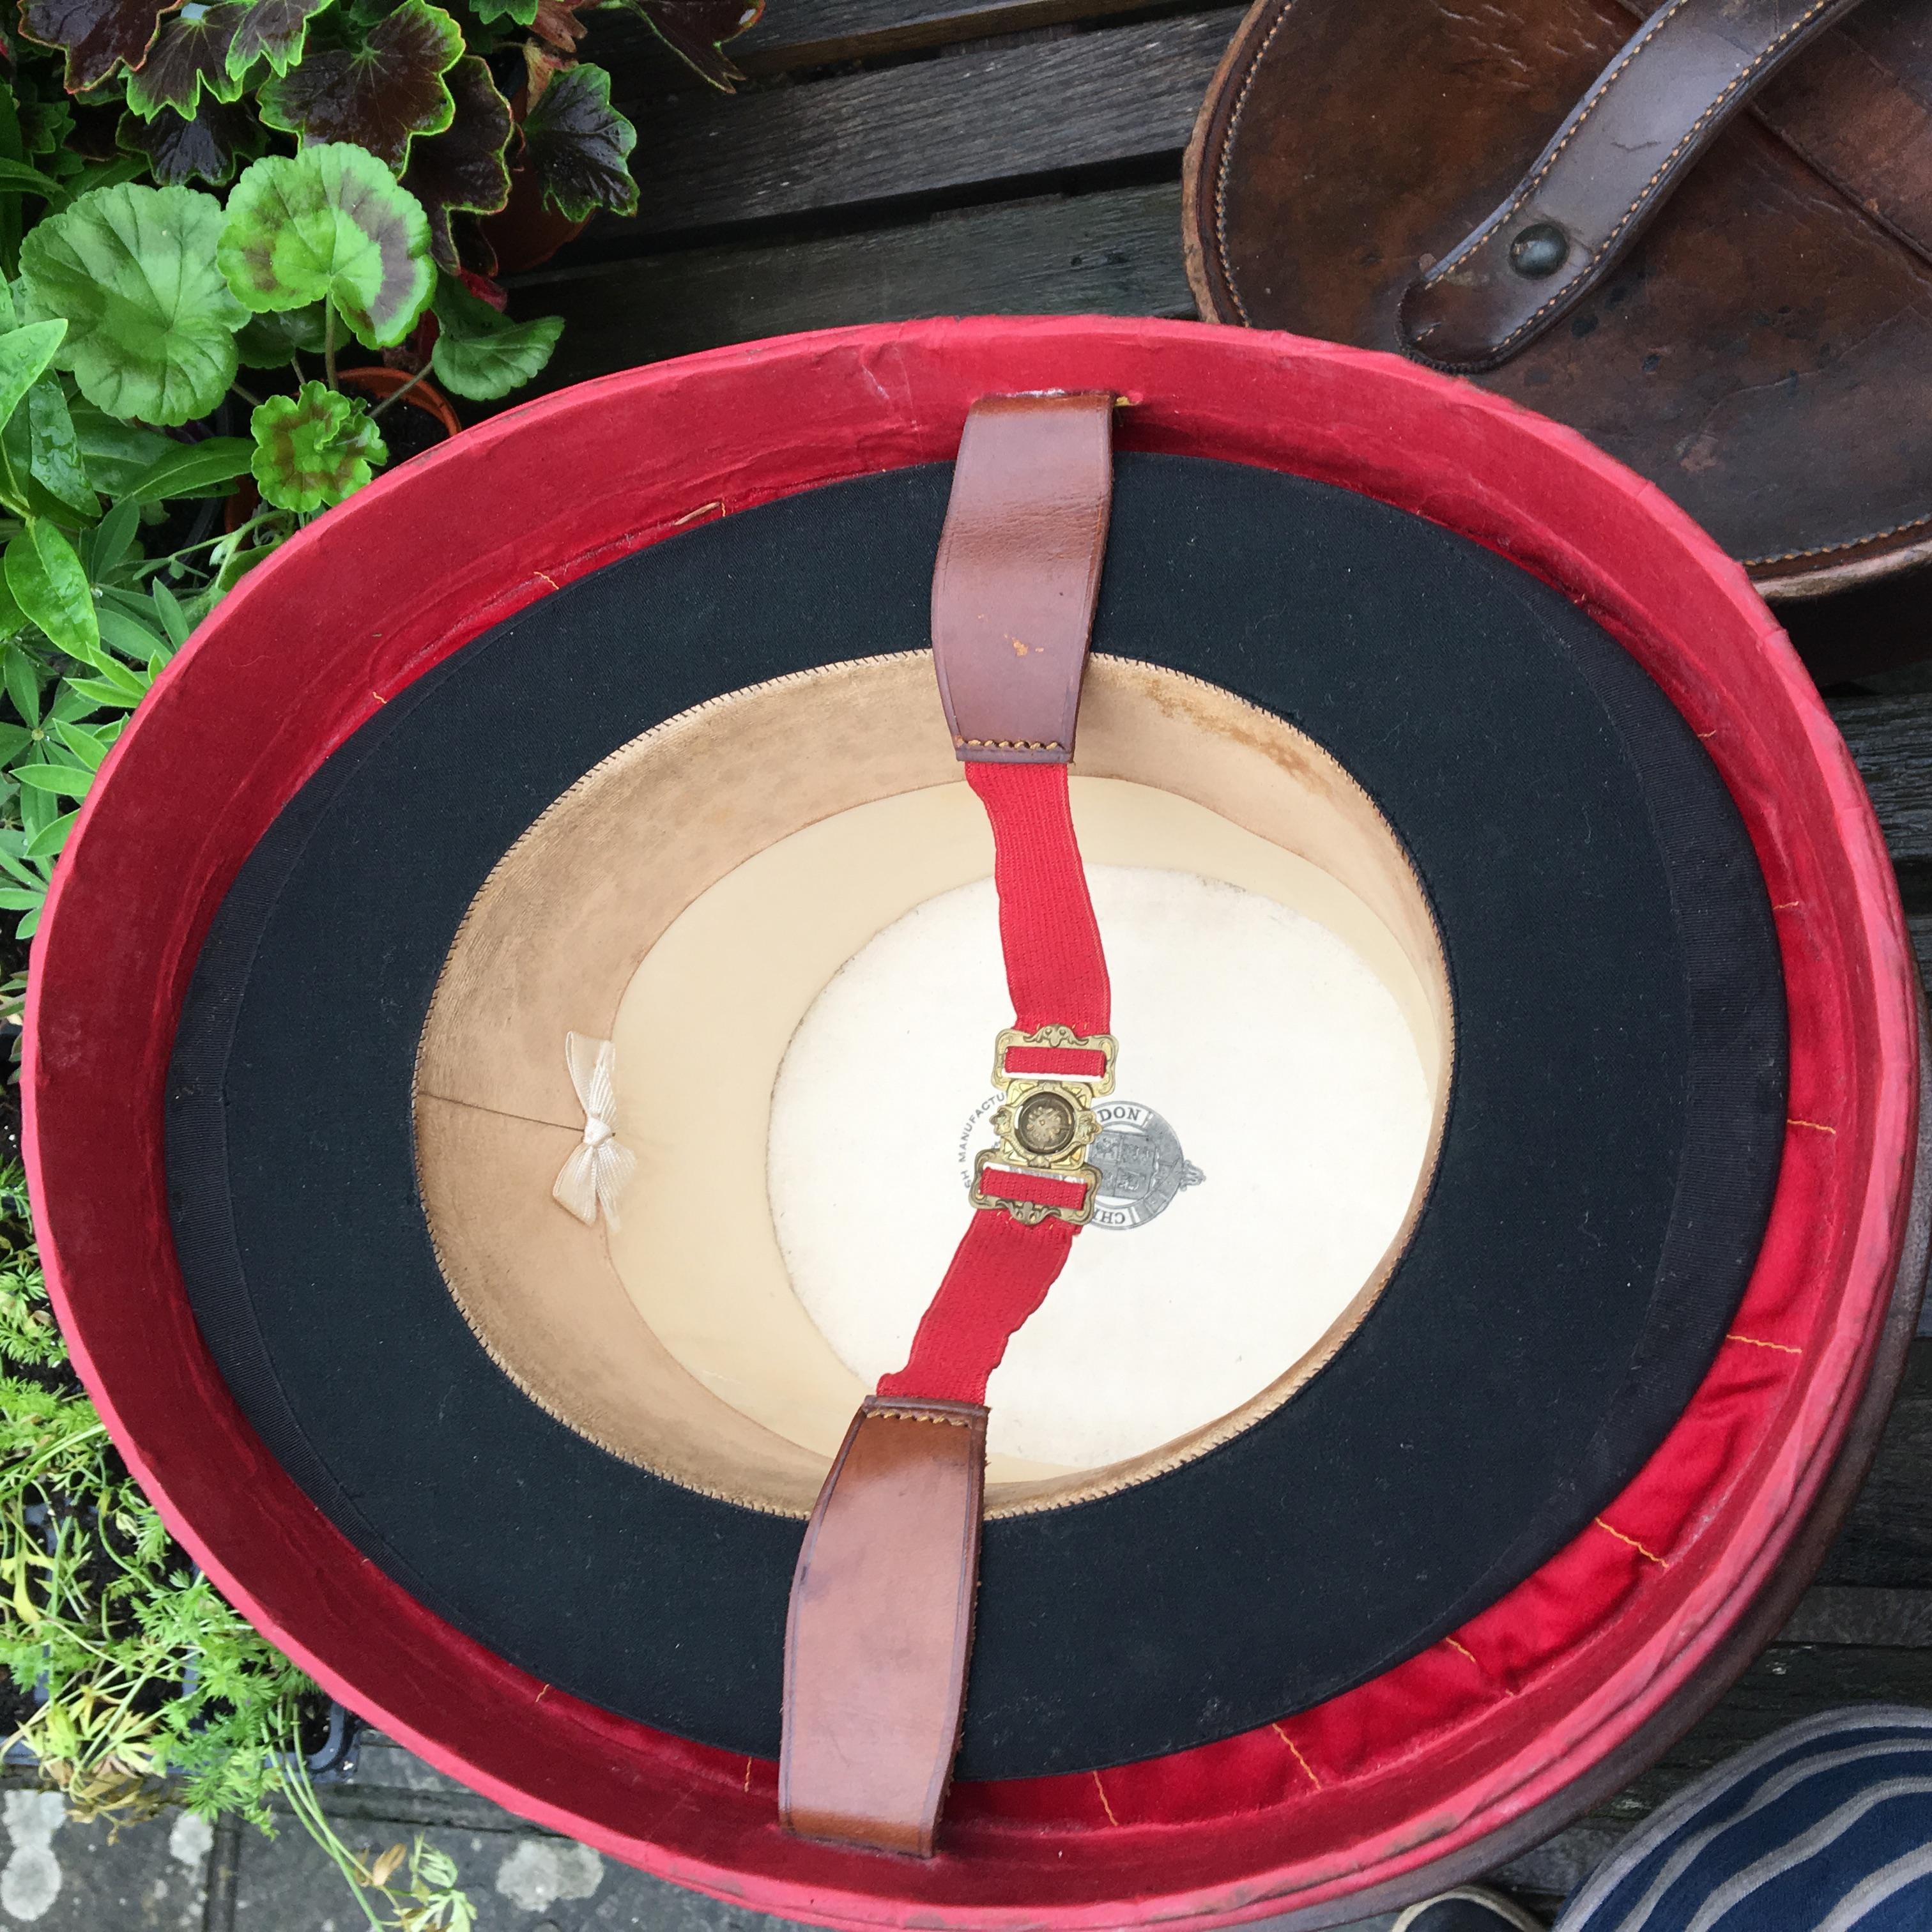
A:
[1606,171]
[881,1620]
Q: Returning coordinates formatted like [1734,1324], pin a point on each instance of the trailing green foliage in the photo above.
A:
[134,1684]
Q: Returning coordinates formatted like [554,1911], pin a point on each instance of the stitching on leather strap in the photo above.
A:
[1568,292]
[1011,744]
[1599,93]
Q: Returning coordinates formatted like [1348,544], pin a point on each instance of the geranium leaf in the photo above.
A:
[329,224]
[482,354]
[24,354]
[380,95]
[462,168]
[97,36]
[270,341]
[313,448]
[556,22]
[208,148]
[273,30]
[55,460]
[522,12]
[190,54]
[49,585]
[577,142]
[696,30]
[151,323]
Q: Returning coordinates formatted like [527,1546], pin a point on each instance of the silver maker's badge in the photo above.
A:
[1138,1154]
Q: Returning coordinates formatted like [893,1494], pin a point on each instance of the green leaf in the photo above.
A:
[151,321]
[114,454]
[480,354]
[174,619]
[271,341]
[24,356]
[48,584]
[125,633]
[576,142]
[520,12]
[51,837]
[329,223]
[16,178]
[22,680]
[381,95]
[314,448]
[63,781]
[195,469]
[16,898]
[98,690]
[113,537]
[54,460]
[85,744]
[13,737]
[97,36]
[26,876]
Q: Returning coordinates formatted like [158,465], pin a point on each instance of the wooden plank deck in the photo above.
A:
[893,159]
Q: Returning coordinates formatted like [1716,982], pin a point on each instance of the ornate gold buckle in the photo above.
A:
[1046,1123]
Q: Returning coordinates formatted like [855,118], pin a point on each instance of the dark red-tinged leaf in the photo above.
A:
[556,22]
[272,30]
[97,36]
[190,54]
[209,148]
[696,32]
[462,168]
[380,97]
[575,142]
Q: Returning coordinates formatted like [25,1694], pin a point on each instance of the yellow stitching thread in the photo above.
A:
[1011,744]
[1632,1542]
[1843,543]
[1298,1758]
[1787,905]
[1816,1127]
[1463,1648]
[1104,1805]
[1783,1347]
[920,1415]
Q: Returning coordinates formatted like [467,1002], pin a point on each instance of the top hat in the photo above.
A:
[531,971]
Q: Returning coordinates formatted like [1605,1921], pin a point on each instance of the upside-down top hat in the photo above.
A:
[509,1053]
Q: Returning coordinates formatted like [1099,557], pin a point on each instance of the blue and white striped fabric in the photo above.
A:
[1825,1826]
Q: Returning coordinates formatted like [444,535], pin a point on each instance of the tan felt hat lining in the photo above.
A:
[688,897]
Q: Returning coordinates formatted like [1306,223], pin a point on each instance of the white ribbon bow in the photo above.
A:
[599,1169]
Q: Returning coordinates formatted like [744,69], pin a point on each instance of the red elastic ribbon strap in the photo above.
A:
[1056,972]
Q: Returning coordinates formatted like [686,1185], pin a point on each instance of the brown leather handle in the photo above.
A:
[1606,171]
[1019,574]
[881,1627]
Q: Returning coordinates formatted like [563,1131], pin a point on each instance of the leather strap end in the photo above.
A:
[1019,574]
[880,1628]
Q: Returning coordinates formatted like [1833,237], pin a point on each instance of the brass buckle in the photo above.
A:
[1044,1124]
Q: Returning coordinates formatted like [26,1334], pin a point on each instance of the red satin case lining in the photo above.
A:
[1056,971]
